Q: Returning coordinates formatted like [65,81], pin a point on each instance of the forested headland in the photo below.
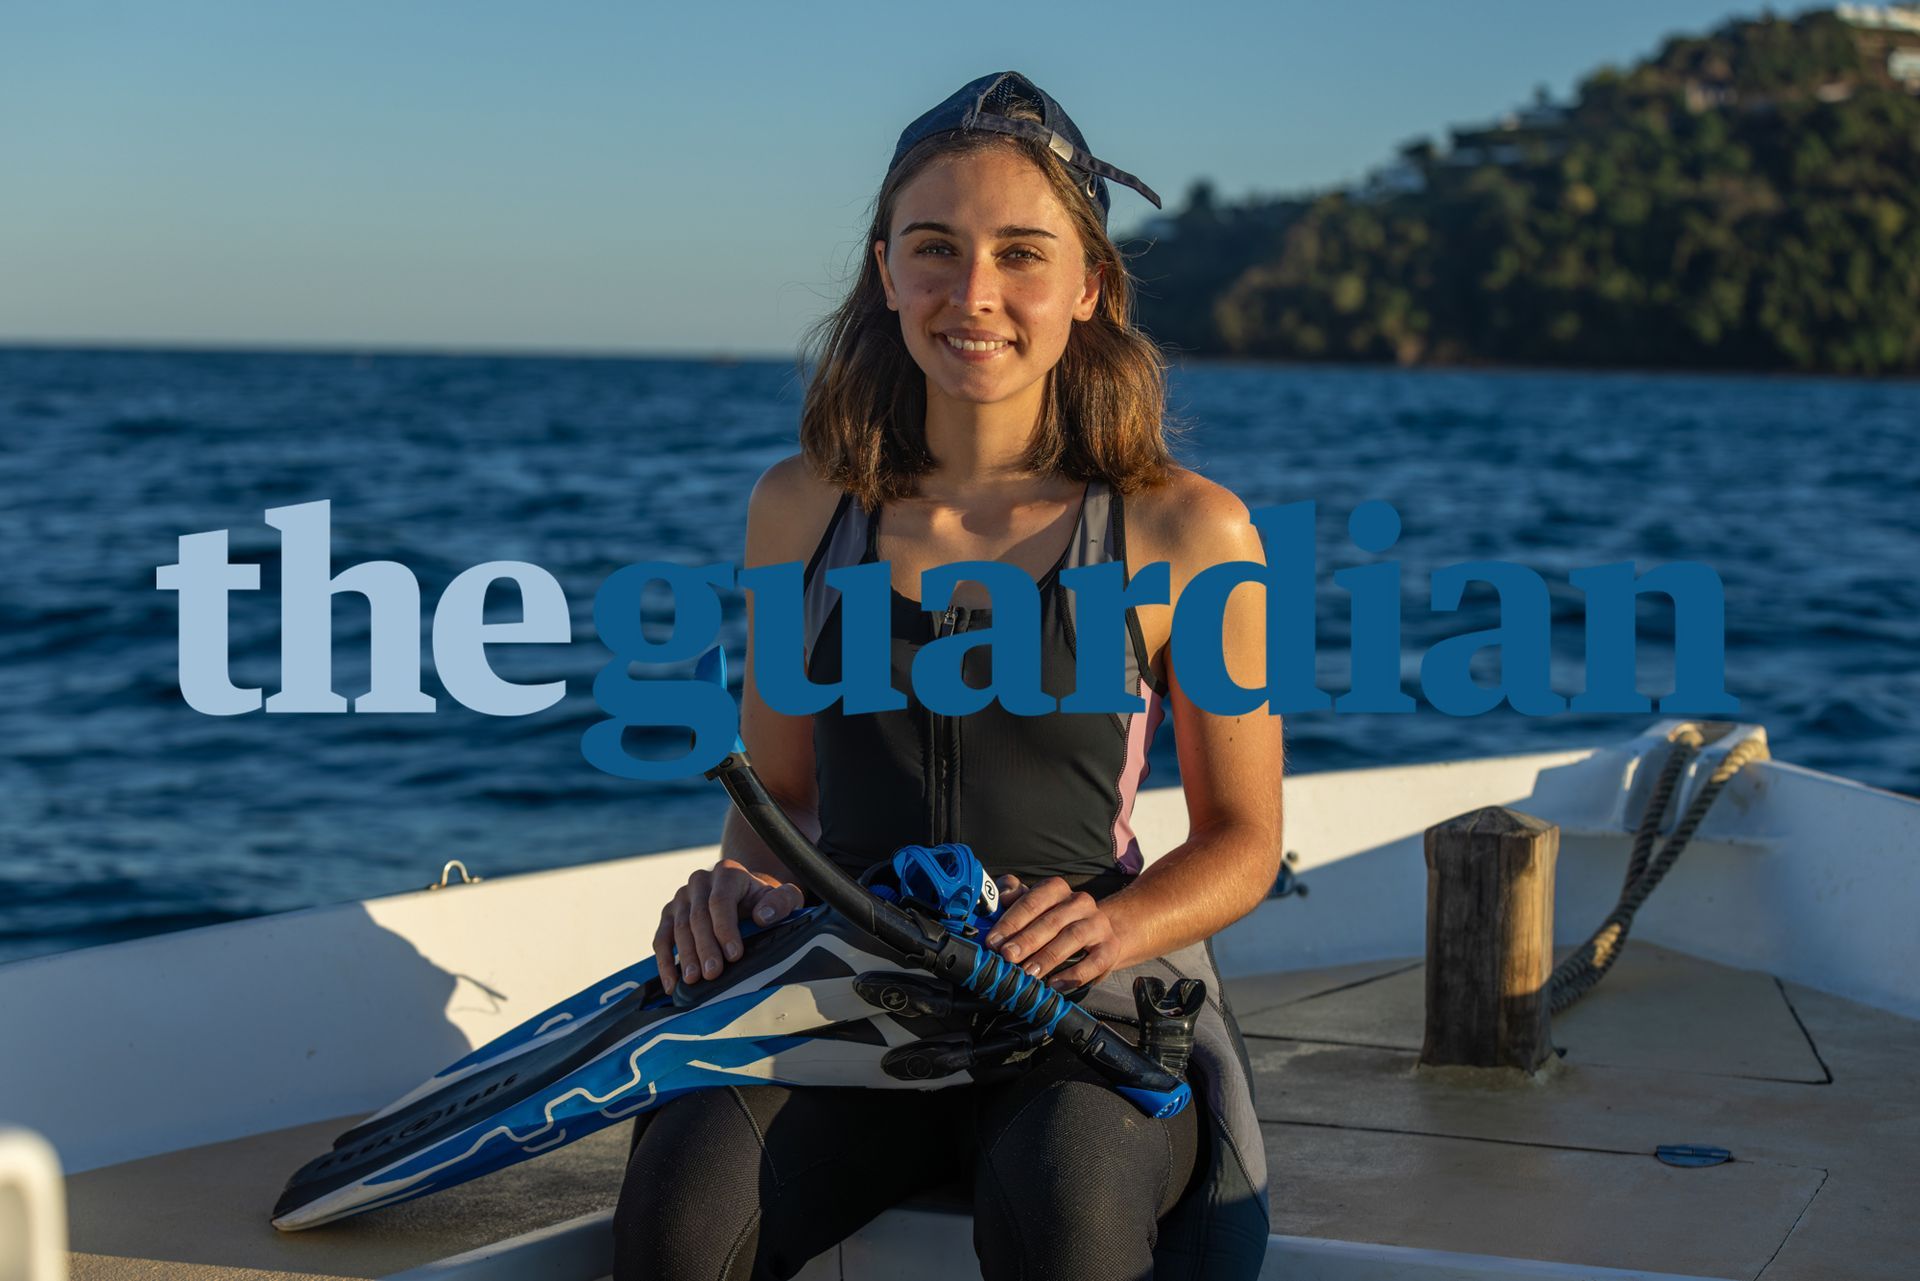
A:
[1744,200]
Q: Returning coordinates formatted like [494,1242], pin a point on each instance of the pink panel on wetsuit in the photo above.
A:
[1140,730]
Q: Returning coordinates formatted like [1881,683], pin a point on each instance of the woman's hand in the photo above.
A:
[700,925]
[1044,924]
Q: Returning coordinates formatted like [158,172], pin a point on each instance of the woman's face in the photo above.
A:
[981,248]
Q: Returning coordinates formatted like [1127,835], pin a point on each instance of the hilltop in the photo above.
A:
[1746,199]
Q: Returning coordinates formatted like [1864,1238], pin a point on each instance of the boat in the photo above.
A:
[1735,1098]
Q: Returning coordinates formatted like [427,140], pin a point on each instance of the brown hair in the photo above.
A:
[1103,413]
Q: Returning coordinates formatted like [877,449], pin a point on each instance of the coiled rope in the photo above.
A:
[1574,977]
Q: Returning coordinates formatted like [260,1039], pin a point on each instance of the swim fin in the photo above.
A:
[791,1011]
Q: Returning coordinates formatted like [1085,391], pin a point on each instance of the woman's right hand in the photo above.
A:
[700,926]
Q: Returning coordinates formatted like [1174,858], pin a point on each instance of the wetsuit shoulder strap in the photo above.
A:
[1103,537]
[845,542]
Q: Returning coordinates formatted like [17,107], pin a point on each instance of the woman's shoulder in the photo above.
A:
[1190,522]
[788,512]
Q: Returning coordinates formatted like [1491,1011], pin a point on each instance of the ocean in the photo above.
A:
[128,813]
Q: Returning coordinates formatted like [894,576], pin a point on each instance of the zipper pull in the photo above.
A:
[952,610]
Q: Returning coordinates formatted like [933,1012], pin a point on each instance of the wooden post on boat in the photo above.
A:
[1489,939]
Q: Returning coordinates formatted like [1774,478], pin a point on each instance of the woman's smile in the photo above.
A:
[975,351]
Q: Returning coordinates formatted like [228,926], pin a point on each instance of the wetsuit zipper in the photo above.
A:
[939,787]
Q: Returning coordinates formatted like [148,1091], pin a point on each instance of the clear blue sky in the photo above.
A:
[634,177]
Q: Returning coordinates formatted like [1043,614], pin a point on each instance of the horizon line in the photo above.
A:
[323,347]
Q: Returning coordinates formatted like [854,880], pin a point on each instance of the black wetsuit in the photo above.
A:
[1067,1179]
[1035,796]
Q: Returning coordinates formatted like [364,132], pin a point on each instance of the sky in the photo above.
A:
[640,178]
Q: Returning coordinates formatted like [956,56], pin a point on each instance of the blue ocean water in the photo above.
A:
[128,813]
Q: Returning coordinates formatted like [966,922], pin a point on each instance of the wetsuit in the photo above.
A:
[1035,796]
[1066,1178]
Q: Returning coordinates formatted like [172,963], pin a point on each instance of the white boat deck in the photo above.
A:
[1766,1003]
[1816,1096]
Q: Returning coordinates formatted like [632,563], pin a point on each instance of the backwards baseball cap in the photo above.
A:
[984,103]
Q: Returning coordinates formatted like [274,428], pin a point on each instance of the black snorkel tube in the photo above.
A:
[928,944]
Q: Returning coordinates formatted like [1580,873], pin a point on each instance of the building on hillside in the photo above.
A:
[1889,40]
[1881,17]
[1532,133]
[1707,95]
[1402,177]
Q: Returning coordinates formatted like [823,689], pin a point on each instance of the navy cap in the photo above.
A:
[983,103]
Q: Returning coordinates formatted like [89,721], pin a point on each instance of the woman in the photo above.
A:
[982,395]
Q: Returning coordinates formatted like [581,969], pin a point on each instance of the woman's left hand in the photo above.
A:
[1044,924]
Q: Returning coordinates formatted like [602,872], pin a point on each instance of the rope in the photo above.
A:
[1574,977]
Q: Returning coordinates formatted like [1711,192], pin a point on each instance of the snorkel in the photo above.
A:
[951,949]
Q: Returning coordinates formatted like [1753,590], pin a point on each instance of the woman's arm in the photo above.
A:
[781,746]
[700,927]
[1230,769]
